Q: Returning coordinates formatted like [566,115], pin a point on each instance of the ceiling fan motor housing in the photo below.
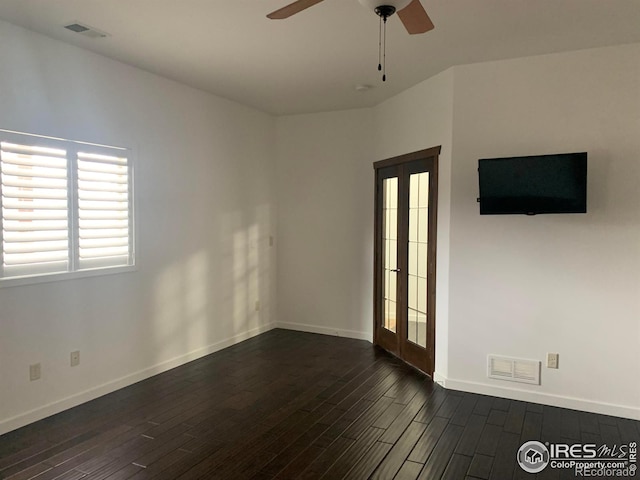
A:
[385,11]
[378,4]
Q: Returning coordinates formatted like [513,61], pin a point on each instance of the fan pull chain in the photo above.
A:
[384,50]
[384,12]
[382,47]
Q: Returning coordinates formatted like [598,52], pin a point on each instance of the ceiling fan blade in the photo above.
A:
[415,18]
[292,9]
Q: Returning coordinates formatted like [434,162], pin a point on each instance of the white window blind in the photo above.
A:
[35,225]
[103,210]
[63,209]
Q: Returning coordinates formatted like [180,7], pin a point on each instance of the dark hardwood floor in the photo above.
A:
[291,405]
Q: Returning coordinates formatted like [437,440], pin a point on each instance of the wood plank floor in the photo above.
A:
[291,405]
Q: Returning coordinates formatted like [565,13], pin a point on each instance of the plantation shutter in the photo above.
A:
[103,211]
[65,207]
[35,212]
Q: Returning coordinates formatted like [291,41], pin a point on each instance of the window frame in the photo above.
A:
[72,147]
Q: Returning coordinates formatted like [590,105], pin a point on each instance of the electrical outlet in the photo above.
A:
[34,372]
[75,358]
[552,360]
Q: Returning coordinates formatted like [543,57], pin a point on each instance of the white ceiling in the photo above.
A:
[312,61]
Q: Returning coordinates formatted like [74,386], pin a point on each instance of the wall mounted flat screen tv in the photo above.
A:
[534,184]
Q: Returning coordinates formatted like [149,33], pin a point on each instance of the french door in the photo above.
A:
[405,256]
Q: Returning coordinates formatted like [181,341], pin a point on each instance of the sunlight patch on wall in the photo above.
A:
[181,302]
[246,280]
[196,296]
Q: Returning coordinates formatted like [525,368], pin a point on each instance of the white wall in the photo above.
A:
[510,285]
[524,286]
[325,207]
[205,210]
[325,223]
[419,118]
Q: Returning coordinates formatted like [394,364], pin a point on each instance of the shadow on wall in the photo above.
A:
[222,290]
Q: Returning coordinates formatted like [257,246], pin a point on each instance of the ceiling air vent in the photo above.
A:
[86,30]
[513,369]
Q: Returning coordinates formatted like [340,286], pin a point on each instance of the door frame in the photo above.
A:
[430,155]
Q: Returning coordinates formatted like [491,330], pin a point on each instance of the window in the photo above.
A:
[66,206]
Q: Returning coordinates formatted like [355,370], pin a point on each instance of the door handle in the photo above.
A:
[397,270]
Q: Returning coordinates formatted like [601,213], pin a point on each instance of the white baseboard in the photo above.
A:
[336,332]
[539,397]
[58,406]
[439,379]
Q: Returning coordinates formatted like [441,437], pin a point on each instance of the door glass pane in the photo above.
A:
[412,327]
[413,258]
[390,251]
[422,295]
[422,261]
[418,258]
[391,260]
[413,224]
[393,288]
[421,329]
[413,292]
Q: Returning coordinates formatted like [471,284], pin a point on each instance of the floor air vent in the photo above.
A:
[514,369]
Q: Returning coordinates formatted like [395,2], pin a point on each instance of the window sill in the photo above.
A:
[57,277]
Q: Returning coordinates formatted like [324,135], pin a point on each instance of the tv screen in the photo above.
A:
[534,184]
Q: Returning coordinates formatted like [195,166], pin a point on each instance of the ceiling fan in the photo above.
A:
[411,12]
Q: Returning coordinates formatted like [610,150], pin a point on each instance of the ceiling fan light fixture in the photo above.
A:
[373,4]
[361,87]
[385,11]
